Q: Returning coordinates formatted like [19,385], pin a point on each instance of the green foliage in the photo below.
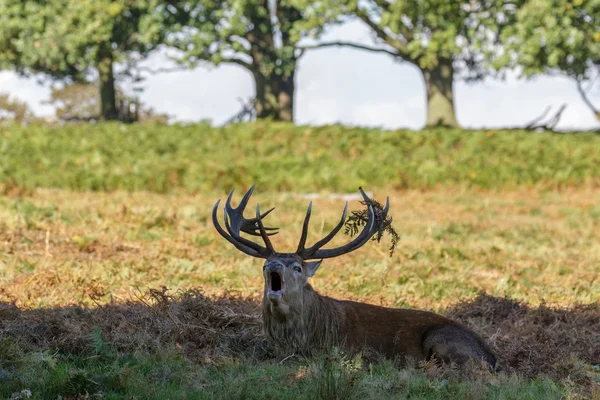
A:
[260,35]
[169,375]
[241,31]
[559,35]
[66,39]
[14,111]
[289,158]
[80,102]
[424,32]
[360,218]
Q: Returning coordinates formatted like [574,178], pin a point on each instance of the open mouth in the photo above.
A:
[276,282]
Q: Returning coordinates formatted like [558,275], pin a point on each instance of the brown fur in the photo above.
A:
[305,322]
[298,319]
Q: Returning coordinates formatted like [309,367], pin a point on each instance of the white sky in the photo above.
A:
[346,86]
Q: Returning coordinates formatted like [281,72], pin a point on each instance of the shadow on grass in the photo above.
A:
[561,344]
[200,327]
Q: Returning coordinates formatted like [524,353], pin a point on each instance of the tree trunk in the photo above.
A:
[266,99]
[440,97]
[286,98]
[275,97]
[108,102]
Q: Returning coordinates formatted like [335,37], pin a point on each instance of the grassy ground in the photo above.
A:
[283,157]
[77,316]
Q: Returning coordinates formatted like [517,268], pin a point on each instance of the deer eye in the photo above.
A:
[297,268]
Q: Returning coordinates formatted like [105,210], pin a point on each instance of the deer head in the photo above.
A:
[286,274]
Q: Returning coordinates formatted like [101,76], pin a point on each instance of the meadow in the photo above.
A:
[114,284]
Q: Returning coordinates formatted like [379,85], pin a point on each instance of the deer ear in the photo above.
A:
[312,267]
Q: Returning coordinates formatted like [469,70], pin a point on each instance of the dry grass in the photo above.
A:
[62,248]
[204,329]
[560,344]
[87,259]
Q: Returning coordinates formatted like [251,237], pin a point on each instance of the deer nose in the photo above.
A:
[273,266]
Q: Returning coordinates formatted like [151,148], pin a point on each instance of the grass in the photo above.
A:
[61,247]
[282,157]
[114,284]
[172,376]
[81,310]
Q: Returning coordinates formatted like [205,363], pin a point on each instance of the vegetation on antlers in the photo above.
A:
[359,218]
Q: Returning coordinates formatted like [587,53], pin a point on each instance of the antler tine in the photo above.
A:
[238,237]
[263,233]
[304,234]
[359,241]
[250,226]
[375,227]
[326,239]
[238,221]
[243,248]
[234,220]
[367,232]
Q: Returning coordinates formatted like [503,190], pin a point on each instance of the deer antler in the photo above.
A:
[250,226]
[315,252]
[239,223]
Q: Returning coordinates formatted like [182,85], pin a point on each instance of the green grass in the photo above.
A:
[85,258]
[284,157]
[72,261]
[168,375]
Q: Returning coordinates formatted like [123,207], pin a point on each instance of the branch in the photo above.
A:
[239,62]
[383,4]
[155,71]
[534,123]
[349,44]
[382,34]
[248,111]
[587,101]
[551,123]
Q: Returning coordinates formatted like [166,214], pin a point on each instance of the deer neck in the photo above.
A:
[308,325]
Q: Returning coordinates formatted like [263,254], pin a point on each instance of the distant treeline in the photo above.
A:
[86,40]
[284,157]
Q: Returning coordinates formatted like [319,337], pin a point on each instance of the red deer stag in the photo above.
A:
[298,319]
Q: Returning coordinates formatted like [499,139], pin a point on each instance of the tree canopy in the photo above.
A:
[78,40]
[555,36]
[261,36]
[443,38]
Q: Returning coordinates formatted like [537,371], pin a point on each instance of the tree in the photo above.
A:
[78,41]
[15,111]
[444,39]
[555,36]
[79,102]
[261,36]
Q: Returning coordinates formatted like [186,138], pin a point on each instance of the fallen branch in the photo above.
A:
[586,100]
[248,111]
[551,123]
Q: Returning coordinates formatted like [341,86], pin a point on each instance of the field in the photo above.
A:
[114,284]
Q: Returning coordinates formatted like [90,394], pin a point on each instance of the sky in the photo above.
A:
[348,86]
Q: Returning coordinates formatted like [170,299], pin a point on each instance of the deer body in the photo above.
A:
[298,319]
[311,323]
